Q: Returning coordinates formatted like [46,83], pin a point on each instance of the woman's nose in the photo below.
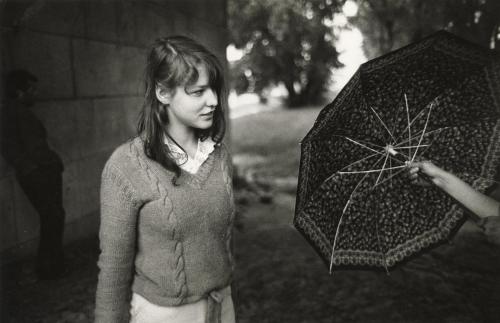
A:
[211,98]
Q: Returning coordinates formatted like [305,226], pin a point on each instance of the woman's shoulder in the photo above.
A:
[223,149]
[124,155]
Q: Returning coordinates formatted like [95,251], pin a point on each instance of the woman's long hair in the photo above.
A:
[171,63]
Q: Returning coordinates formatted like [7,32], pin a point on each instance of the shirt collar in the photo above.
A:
[205,148]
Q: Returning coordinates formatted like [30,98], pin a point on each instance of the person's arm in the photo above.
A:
[117,235]
[481,205]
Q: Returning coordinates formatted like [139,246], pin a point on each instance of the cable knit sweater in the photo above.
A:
[170,244]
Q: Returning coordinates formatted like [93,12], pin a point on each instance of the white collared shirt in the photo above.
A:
[191,165]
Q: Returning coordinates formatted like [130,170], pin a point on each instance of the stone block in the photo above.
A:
[153,21]
[107,70]
[128,22]
[107,124]
[71,191]
[85,128]
[27,220]
[110,123]
[82,228]
[214,12]
[57,17]
[181,23]
[101,20]
[132,108]
[13,12]
[47,57]
[60,120]
[8,230]
[214,38]
[211,11]
[5,169]
[89,182]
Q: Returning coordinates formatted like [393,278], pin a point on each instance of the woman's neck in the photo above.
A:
[183,136]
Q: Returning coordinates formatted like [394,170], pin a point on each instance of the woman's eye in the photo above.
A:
[197,93]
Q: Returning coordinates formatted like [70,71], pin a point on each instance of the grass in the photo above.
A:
[269,141]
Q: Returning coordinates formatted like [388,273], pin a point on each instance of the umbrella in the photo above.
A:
[436,99]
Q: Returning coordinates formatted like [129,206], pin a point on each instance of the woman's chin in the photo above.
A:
[204,124]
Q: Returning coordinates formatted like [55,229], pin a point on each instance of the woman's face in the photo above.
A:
[193,106]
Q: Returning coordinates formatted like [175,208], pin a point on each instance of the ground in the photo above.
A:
[279,277]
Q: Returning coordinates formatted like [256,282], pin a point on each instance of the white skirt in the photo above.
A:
[143,311]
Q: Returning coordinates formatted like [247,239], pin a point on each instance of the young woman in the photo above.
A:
[166,199]
[483,206]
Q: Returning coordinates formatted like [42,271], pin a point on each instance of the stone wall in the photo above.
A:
[89,58]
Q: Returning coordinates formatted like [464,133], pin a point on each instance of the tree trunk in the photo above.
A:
[293,97]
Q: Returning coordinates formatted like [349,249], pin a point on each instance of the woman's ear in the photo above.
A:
[163,95]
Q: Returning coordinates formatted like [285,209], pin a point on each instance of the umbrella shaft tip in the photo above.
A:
[390,149]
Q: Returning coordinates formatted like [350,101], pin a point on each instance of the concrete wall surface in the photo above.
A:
[89,57]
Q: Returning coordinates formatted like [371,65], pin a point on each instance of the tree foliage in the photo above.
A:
[390,24]
[284,41]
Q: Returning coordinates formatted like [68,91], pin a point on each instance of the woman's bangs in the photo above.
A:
[180,73]
[214,76]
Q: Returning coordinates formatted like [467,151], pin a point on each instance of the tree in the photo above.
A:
[390,24]
[285,41]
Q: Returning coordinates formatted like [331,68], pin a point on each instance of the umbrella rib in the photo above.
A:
[369,143]
[390,169]
[393,157]
[383,167]
[406,147]
[418,134]
[339,172]
[378,242]
[383,124]
[389,178]
[409,125]
[423,132]
[373,170]
[377,152]
[343,212]
[358,161]
[360,144]
[426,148]
[359,141]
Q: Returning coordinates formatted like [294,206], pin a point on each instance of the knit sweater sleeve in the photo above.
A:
[227,169]
[120,205]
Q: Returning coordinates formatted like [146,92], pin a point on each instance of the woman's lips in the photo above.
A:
[208,114]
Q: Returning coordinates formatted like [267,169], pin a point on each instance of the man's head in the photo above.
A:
[21,84]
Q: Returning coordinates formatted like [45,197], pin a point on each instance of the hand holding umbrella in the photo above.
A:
[480,204]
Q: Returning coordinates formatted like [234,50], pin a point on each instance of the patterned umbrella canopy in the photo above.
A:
[437,99]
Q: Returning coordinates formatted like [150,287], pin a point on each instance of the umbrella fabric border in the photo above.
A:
[369,260]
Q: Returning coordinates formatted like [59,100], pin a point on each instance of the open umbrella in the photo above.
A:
[437,99]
